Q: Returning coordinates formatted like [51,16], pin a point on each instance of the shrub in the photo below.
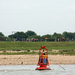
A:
[18,50]
[28,50]
[4,51]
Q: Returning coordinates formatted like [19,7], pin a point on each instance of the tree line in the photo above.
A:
[32,36]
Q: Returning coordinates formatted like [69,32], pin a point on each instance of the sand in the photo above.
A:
[33,59]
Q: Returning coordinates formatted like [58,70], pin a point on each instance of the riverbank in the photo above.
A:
[33,59]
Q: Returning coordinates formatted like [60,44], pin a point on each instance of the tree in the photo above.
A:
[44,36]
[19,36]
[30,33]
[3,38]
[1,34]
[57,35]
[69,35]
[65,34]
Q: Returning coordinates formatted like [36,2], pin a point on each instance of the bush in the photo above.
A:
[4,51]
[28,50]
[18,50]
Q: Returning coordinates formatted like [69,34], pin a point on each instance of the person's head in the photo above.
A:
[43,53]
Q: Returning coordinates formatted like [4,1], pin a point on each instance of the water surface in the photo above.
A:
[30,70]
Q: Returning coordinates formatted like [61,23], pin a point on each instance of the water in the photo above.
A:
[30,70]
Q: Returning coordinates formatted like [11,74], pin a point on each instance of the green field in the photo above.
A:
[66,47]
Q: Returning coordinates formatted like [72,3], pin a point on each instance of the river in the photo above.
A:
[30,70]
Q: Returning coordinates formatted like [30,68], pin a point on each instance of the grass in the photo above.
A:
[63,47]
[4,58]
[36,45]
[18,53]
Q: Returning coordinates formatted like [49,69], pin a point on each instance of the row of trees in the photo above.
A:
[32,36]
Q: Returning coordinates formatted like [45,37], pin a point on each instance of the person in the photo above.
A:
[44,58]
[44,55]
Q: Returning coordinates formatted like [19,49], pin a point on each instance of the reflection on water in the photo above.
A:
[30,70]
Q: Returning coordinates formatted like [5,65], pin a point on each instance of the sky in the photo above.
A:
[41,16]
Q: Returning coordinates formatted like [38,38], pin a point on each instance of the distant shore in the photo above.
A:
[33,59]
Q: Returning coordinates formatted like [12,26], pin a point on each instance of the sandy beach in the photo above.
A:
[33,59]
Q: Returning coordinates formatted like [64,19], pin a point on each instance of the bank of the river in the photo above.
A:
[33,59]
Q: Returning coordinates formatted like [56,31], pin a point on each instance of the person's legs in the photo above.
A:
[45,61]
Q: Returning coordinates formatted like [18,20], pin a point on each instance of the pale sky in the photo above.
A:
[41,16]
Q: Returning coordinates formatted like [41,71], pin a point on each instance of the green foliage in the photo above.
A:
[28,50]
[1,34]
[4,58]
[4,51]
[33,52]
[3,38]
[30,33]
[58,35]
[69,35]
[18,53]
[18,50]
[48,36]
[21,36]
